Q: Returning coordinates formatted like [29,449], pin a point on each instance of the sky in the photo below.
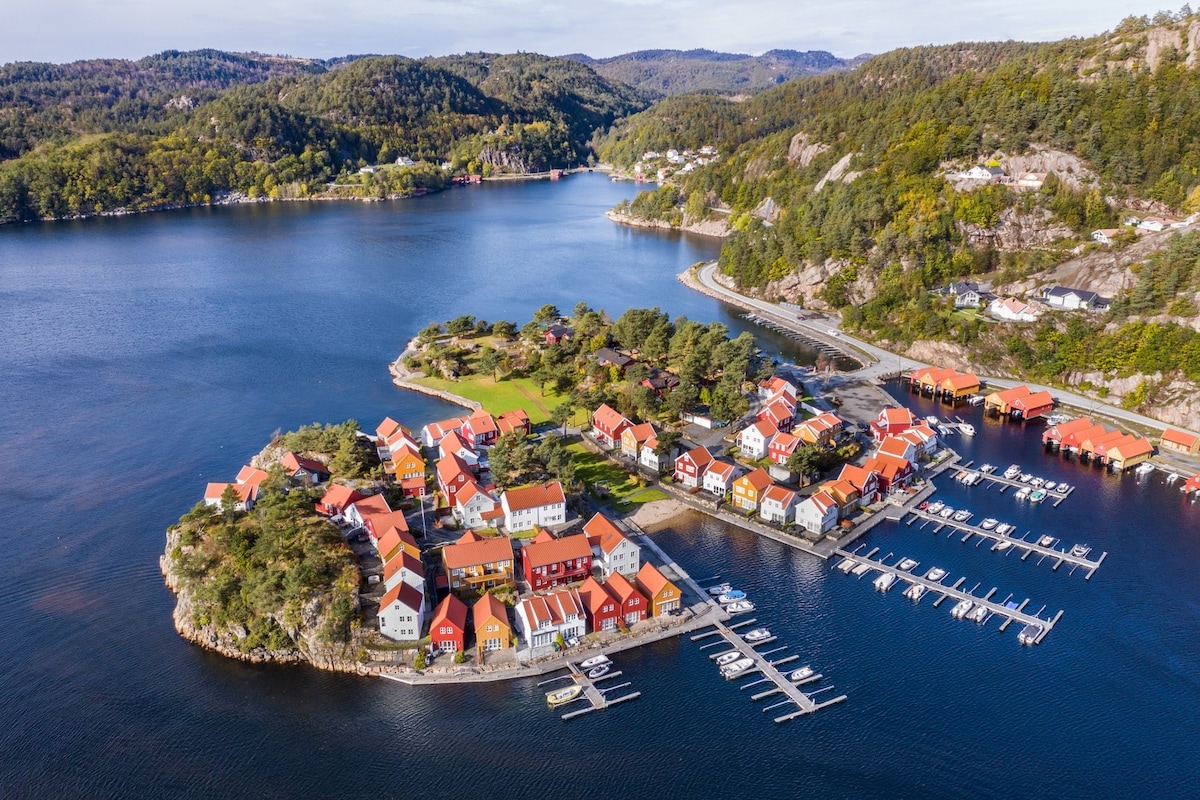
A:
[68,30]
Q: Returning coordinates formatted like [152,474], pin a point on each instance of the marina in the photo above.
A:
[1076,557]
[768,670]
[586,687]
[1034,630]
[1053,497]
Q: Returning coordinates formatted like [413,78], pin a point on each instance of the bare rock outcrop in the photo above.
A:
[1016,230]
[802,150]
[838,172]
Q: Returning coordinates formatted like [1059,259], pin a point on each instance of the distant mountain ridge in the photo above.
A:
[661,73]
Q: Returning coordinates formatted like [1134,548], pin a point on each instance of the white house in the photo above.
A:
[403,567]
[777,505]
[655,462]
[1014,310]
[1105,235]
[612,550]
[719,478]
[1153,224]
[982,173]
[817,513]
[754,439]
[475,508]
[357,513]
[541,619]
[1068,298]
[1031,180]
[534,506]
[454,444]
[402,613]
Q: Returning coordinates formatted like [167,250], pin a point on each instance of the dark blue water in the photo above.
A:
[145,356]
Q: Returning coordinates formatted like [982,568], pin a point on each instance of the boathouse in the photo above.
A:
[1096,447]
[1129,453]
[1180,442]
[1019,402]
[959,386]
[1052,437]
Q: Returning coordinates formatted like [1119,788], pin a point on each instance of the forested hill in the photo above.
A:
[185,128]
[661,73]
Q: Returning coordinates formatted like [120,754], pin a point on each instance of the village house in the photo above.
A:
[448,628]
[433,433]
[474,564]
[1105,236]
[558,333]
[1180,441]
[249,476]
[378,523]
[864,481]
[1153,225]
[778,505]
[395,540]
[548,561]
[403,568]
[897,447]
[893,474]
[776,385]
[983,174]
[405,462]
[1011,309]
[780,413]
[453,444]
[480,430]
[633,437]
[515,421]
[846,494]
[1031,180]
[660,382]
[452,475]
[608,425]
[600,607]
[654,461]
[611,549]
[305,470]
[817,513]
[890,422]
[246,493]
[543,619]
[402,613]
[923,439]
[492,628]
[754,439]
[719,477]
[662,596]
[389,433]
[475,508]
[781,448]
[337,499]
[607,357]
[690,466]
[357,512]
[821,430]
[748,489]
[632,606]
[1072,299]
[966,294]
[536,506]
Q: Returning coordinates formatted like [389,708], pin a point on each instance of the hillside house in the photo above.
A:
[1072,299]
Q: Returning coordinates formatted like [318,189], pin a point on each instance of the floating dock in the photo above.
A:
[595,695]
[812,341]
[769,672]
[1053,497]
[1000,609]
[1060,557]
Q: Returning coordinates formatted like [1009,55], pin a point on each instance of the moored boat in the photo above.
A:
[1013,471]
[1037,495]
[962,515]
[1047,541]
[732,596]
[961,609]
[989,523]
[847,565]
[978,614]
[861,570]
[1004,528]
[987,469]
[800,674]
[1022,493]
[599,671]
[885,581]
[728,658]
[719,589]
[915,592]
[594,661]
[906,564]
[1080,550]
[935,574]
[946,513]
[966,428]
[739,607]
[936,506]
[563,695]
[1002,545]
[737,667]
[1029,634]
[1063,488]
[757,635]
[1050,485]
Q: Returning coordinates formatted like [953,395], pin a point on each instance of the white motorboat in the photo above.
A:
[915,592]
[885,581]
[594,661]
[935,507]
[935,574]
[987,469]
[728,658]
[737,667]
[1002,545]
[943,430]
[932,420]
[946,513]
[1037,483]
[961,609]
[1063,488]
[1012,472]
[1029,634]
[966,428]
[989,523]
[847,565]
[1080,550]
[1004,528]
[1025,477]
[757,635]
[732,596]
[600,671]
[1144,468]
[978,614]
[1046,541]
[906,564]
[740,607]
[962,515]
[1022,493]
[1037,495]
[800,674]
[719,589]
[1049,485]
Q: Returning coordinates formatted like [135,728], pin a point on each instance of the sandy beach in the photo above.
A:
[658,513]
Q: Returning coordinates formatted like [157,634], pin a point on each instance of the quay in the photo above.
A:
[1052,496]
[769,670]
[1060,556]
[994,608]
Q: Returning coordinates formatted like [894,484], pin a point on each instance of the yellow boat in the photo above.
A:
[564,695]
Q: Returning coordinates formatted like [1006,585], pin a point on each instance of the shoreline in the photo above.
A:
[401,377]
[716,229]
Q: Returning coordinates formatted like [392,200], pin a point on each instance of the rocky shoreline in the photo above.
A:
[717,228]
[402,377]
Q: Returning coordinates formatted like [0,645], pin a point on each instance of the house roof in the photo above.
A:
[651,580]
[559,331]
[436,430]
[606,535]
[888,467]
[394,537]
[1181,438]
[251,476]
[779,494]
[823,500]
[608,355]
[387,428]
[640,433]
[536,496]
[450,610]
[470,553]
[375,504]
[621,588]
[895,446]
[961,380]
[1086,434]
[607,417]
[1124,451]
[763,427]
[339,497]
[470,490]
[488,607]
[594,595]
[244,491]
[759,479]
[543,553]
[779,411]
[449,467]
[785,442]
[481,422]
[402,560]
[1033,400]
[723,470]
[896,416]
[842,489]
[1063,291]
[453,442]
[857,476]
[293,463]
[408,595]
[698,455]
[512,420]
[1070,426]
[553,607]
[378,522]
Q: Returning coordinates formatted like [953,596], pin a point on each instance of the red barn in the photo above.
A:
[547,561]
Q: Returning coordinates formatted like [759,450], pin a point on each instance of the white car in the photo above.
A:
[832,332]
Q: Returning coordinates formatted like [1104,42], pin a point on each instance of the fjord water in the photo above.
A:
[145,356]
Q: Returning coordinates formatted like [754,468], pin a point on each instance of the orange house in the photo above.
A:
[664,596]
[406,462]
[1180,441]
[492,628]
[748,489]
[474,564]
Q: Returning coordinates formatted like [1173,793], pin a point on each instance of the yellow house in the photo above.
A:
[492,628]
[406,462]
[664,596]
[748,489]
[474,564]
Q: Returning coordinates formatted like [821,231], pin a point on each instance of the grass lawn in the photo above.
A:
[624,491]
[500,396]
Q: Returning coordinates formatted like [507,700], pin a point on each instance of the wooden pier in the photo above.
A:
[937,587]
[769,672]
[596,697]
[1060,557]
[1053,497]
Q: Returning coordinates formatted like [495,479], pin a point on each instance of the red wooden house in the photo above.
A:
[601,608]
[448,630]
[890,422]
[782,447]
[452,475]
[480,429]
[690,467]
[556,334]
[337,499]
[866,481]
[894,473]
[608,425]
[515,421]
[780,413]
[547,561]
[631,604]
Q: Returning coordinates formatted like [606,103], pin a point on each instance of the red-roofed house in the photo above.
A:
[846,495]
[453,444]
[1129,453]
[894,473]
[690,467]
[304,469]
[608,425]
[748,489]
[820,430]
[865,481]
[663,596]
[890,422]
[396,540]
[776,385]
[779,413]
[897,447]
[632,606]
[781,448]
[611,549]
[515,421]
[452,475]
[600,606]
[402,613]
[1071,442]
[475,508]
[473,564]
[719,477]
[358,511]
[405,462]
[247,495]
[544,618]
[1179,441]
[777,505]
[492,628]
[480,429]
[337,499]
[433,433]
[448,629]
[1192,484]
[547,561]
[754,440]
[1032,406]
[534,506]
[249,476]
[633,437]
[817,513]
[403,567]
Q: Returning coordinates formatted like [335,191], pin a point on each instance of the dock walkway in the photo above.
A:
[1053,497]
[937,587]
